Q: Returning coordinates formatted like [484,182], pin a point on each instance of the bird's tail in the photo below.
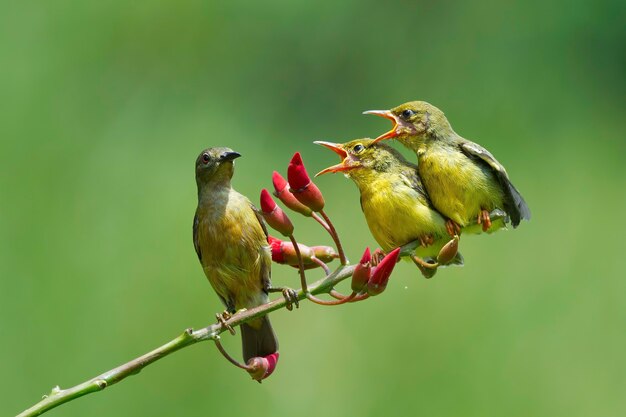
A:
[258,338]
[520,210]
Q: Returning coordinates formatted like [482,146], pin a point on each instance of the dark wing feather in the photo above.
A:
[196,244]
[266,271]
[514,203]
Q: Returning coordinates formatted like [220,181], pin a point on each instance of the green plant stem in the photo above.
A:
[189,337]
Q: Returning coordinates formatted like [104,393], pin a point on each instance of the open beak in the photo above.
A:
[387,115]
[339,150]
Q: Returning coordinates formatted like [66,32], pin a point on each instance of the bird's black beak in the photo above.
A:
[229,156]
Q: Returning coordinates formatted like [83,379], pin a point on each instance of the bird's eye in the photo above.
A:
[407,113]
[358,148]
[206,158]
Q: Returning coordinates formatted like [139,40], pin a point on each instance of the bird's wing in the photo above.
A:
[196,244]
[260,219]
[266,267]
[474,150]
[514,203]
[412,179]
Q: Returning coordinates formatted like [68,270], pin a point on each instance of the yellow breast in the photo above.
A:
[397,215]
[458,187]
[234,249]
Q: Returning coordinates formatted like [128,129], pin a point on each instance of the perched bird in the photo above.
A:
[463,179]
[396,207]
[231,242]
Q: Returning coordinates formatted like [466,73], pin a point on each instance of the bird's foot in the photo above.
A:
[291,296]
[426,240]
[377,256]
[484,219]
[453,228]
[223,318]
[428,269]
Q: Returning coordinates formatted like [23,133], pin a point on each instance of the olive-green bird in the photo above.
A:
[231,242]
[463,179]
[396,207]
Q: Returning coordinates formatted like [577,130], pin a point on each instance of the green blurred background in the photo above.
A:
[105,105]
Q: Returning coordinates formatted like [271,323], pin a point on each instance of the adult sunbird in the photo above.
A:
[231,242]
[396,207]
[463,179]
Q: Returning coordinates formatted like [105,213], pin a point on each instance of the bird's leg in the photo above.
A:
[223,318]
[426,240]
[453,228]
[426,268]
[484,219]
[291,296]
[377,256]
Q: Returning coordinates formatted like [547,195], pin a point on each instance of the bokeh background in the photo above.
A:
[105,105]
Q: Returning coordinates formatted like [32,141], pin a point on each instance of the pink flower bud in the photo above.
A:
[325,253]
[301,185]
[289,252]
[262,367]
[274,215]
[361,274]
[449,251]
[282,192]
[380,274]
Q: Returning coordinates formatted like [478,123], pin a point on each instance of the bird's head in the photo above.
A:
[215,165]
[361,158]
[415,119]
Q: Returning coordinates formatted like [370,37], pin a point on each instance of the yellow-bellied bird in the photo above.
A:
[396,207]
[231,242]
[463,179]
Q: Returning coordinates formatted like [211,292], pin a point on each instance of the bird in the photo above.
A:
[230,239]
[396,206]
[463,179]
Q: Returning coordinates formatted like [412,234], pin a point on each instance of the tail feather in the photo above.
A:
[258,339]
[516,207]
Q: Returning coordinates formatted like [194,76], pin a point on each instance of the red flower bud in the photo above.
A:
[301,185]
[448,251]
[285,253]
[274,215]
[277,250]
[380,274]
[282,192]
[361,274]
[262,367]
[324,253]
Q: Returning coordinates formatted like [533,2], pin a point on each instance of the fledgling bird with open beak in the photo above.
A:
[230,239]
[463,179]
[396,207]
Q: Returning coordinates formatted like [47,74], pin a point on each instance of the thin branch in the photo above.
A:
[189,337]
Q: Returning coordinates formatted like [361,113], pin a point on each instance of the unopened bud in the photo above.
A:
[449,251]
[281,190]
[362,270]
[301,186]
[325,253]
[382,272]
[274,215]
[284,253]
[260,368]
